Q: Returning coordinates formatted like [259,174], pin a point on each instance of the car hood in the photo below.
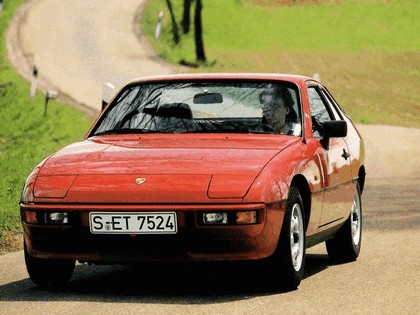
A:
[156,170]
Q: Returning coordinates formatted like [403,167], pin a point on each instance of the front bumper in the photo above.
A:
[193,242]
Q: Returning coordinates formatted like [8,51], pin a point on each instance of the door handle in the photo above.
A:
[345,154]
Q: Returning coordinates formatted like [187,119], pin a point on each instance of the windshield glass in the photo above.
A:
[210,107]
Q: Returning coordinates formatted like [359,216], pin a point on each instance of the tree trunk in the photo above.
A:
[198,32]
[186,17]
[175,29]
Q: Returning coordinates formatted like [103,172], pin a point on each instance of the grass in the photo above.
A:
[367,52]
[26,136]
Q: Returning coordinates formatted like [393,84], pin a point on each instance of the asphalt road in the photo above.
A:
[82,44]
[79,45]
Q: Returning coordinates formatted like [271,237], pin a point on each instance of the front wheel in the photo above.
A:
[345,246]
[288,262]
[48,273]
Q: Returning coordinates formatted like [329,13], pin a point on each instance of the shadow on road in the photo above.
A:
[388,206]
[172,284]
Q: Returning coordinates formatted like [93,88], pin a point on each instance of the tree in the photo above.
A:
[198,32]
[175,29]
[186,16]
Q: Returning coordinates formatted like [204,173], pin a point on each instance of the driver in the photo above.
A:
[278,113]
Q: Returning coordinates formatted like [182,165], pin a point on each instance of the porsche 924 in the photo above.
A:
[201,167]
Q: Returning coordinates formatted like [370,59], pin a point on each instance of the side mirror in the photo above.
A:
[108,92]
[333,129]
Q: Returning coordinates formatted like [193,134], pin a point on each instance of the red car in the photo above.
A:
[201,167]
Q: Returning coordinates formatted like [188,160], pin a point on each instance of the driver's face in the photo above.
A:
[274,110]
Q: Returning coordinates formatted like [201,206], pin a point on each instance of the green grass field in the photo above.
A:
[26,136]
[367,52]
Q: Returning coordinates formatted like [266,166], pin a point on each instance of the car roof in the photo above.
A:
[224,76]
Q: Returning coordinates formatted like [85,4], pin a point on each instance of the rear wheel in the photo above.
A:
[345,246]
[48,272]
[288,262]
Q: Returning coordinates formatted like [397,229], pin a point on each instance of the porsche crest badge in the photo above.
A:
[140,180]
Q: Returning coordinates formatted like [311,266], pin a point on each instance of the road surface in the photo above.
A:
[82,44]
[77,46]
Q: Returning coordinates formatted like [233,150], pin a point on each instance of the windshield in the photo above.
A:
[204,107]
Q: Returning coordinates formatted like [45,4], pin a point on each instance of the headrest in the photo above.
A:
[178,110]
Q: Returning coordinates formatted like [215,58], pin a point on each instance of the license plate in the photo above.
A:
[133,223]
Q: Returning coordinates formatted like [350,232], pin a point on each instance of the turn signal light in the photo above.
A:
[246,217]
[30,217]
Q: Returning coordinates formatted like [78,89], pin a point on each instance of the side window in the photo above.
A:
[337,115]
[319,112]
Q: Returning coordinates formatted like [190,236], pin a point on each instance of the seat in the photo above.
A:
[177,110]
[174,117]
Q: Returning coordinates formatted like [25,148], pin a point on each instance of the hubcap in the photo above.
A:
[356,220]
[296,237]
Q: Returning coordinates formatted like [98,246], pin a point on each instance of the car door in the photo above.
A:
[335,160]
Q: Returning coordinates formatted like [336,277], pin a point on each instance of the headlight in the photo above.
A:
[41,217]
[230,218]
[28,189]
[56,218]
[215,218]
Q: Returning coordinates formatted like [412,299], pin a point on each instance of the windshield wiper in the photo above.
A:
[264,132]
[128,131]
[220,130]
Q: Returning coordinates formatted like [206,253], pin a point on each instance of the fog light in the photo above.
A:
[246,217]
[215,218]
[56,218]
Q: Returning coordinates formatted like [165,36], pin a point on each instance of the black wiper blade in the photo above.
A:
[107,132]
[128,131]
[264,131]
[222,131]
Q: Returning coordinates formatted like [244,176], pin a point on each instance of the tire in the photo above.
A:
[287,264]
[48,273]
[345,246]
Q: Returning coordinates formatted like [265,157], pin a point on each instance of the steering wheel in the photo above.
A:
[268,128]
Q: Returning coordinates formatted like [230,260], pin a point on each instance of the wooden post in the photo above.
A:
[51,94]
[159,25]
